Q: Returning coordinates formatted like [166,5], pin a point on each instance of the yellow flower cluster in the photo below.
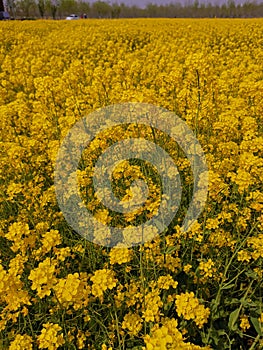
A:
[244,324]
[43,277]
[169,337]
[49,240]
[189,307]
[133,323]
[207,268]
[256,243]
[73,290]
[152,304]
[102,280]
[120,255]
[21,342]
[50,338]
[20,235]
[12,292]
[165,282]
[254,249]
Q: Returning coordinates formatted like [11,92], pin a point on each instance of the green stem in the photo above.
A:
[255,342]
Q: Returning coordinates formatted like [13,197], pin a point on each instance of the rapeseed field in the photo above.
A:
[194,289]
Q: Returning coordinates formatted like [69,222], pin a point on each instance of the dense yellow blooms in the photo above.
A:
[73,290]
[165,282]
[207,268]
[20,235]
[50,338]
[120,255]
[102,280]
[152,304]
[189,307]
[21,342]
[49,240]
[43,277]
[192,290]
[133,323]
[244,324]
[169,337]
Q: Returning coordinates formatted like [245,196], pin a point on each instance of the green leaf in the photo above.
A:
[228,286]
[170,250]
[256,325]
[233,319]
[251,274]
[247,303]
[161,226]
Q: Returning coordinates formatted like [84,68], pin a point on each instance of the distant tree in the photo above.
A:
[115,10]
[42,7]
[202,10]
[196,4]
[25,6]
[249,8]
[231,8]
[2,5]
[239,10]
[260,9]
[175,10]
[125,10]
[53,6]
[223,11]
[217,10]
[193,9]
[11,7]
[68,6]
[83,7]
[101,9]
[152,10]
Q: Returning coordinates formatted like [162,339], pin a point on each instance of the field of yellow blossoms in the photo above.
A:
[200,289]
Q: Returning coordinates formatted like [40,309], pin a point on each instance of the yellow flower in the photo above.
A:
[209,73]
[153,302]
[243,179]
[165,282]
[19,233]
[168,337]
[104,347]
[102,280]
[207,268]
[73,290]
[49,240]
[50,337]
[81,338]
[244,324]
[103,216]
[243,255]
[187,268]
[120,255]
[21,342]
[256,243]
[261,318]
[133,323]
[43,277]
[188,306]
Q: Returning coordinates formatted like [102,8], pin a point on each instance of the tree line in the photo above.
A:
[58,9]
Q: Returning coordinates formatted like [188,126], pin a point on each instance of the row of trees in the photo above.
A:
[102,9]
